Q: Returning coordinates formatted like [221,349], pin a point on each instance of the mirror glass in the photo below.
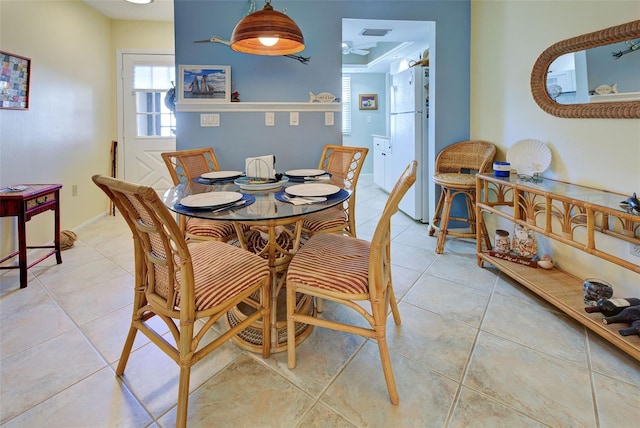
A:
[601,74]
[594,75]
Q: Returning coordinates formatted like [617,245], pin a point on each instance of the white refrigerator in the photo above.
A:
[408,135]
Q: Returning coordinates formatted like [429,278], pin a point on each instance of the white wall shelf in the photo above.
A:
[619,96]
[242,107]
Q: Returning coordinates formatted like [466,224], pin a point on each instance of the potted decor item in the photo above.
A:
[545,262]
[596,289]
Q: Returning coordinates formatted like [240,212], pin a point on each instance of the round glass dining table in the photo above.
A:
[269,224]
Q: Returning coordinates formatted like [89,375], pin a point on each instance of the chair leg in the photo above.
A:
[126,350]
[394,305]
[318,305]
[471,209]
[291,327]
[265,296]
[437,216]
[183,397]
[444,222]
[388,372]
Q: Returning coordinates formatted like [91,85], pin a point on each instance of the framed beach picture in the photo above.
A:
[368,102]
[15,73]
[204,84]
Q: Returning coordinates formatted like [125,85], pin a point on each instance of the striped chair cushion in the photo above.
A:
[221,271]
[325,219]
[209,228]
[334,263]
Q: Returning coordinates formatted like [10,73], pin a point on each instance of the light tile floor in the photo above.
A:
[475,349]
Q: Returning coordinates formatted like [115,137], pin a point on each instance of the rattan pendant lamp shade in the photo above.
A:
[267,24]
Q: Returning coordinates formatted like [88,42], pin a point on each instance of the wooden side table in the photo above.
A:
[25,203]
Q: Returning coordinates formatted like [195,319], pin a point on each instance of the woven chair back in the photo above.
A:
[185,165]
[472,155]
[343,162]
[162,257]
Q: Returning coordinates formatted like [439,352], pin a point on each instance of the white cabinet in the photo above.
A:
[381,161]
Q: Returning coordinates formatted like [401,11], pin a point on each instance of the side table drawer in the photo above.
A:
[35,202]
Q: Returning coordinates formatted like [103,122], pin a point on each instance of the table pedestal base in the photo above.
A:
[251,337]
[276,241]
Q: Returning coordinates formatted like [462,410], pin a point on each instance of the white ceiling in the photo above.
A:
[414,34]
[404,39]
[159,10]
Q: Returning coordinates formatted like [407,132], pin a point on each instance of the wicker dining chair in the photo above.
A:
[455,171]
[184,166]
[344,164]
[187,287]
[349,271]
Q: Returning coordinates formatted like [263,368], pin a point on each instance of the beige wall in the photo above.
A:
[142,35]
[506,39]
[66,134]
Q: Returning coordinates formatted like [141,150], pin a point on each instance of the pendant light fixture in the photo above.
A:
[267,32]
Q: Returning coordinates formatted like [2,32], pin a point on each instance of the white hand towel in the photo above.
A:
[261,167]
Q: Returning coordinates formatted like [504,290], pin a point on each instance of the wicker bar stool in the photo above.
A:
[456,167]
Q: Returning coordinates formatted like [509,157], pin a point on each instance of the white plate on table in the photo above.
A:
[220,175]
[247,183]
[210,199]
[312,189]
[305,172]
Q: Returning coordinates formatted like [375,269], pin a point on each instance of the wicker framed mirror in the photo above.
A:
[611,110]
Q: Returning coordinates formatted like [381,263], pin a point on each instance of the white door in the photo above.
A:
[148,125]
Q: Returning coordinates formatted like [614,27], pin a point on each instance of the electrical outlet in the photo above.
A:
[634,249]
[328,118]
[294,118]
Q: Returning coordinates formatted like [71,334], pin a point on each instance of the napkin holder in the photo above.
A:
[261,167]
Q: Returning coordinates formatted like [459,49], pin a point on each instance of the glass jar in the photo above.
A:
[524,243]
[501,241]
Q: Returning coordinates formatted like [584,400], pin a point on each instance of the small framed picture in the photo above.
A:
[15,74]
[204,84]
[368,102]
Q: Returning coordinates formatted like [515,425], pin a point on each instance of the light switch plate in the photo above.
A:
[328,118]
[294,118]
[269,119]
[209,119]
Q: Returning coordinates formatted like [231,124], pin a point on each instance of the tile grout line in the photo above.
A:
[592,382]
[456,397]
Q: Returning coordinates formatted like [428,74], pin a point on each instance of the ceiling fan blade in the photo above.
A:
[359,51]
[365,46]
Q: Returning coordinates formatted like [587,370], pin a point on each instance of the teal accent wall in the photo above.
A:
[264,79]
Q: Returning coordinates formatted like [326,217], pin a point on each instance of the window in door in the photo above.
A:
[150,85]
